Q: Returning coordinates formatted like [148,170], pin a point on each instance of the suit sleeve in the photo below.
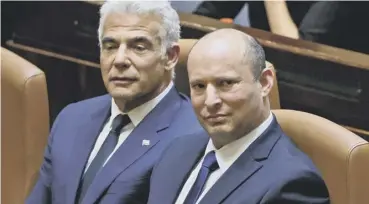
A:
[304,188]
[219,9]
[41,192]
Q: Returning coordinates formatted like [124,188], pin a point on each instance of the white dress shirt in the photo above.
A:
[225,156]
[136,115]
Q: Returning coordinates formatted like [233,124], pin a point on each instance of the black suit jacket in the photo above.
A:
[272,170]
[125,177]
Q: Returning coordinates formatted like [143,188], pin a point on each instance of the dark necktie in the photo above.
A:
[106,149]
[209,165]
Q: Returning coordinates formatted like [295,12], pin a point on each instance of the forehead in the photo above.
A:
[213,64]
[211,72]
[118,24]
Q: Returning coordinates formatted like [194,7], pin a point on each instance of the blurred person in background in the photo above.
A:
[335,23]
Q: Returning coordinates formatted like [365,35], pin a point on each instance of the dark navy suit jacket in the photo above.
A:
[125,177]
[272,170]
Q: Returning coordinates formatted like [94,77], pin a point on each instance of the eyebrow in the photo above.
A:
[108,40]
[216,79]
[226,78]
[134,40]
[195,81]
[140,39]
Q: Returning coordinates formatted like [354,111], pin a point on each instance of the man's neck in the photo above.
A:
[126,106]
[221,140]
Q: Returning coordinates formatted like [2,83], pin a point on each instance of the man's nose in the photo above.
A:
[212,100]
[121,58]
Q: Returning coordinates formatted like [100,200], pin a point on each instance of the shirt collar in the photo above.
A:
[229,153]
[139,113]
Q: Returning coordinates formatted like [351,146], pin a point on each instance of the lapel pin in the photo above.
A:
[145,142]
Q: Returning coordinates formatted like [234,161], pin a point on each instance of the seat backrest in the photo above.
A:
[340,155]
[182,76]
[25,125]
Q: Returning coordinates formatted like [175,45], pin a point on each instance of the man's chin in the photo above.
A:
[217,131]
[122,95]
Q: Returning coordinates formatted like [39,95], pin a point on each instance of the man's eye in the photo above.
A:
[109,47]
[140,48]
[226,83]
[198,86]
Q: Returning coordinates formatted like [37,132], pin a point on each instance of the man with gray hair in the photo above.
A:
[102,150]
[248,158]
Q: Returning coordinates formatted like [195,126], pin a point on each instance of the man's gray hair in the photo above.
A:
[254,55]
[170,24]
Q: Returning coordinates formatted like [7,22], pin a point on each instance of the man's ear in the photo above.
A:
[172,56]
[266,81]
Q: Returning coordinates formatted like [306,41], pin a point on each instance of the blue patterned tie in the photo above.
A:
[106,149]
[209,165]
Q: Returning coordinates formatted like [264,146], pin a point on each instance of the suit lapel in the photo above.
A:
[178,166]
[238,173]
[132,149]
[85,138]
[190,152]
[245,166]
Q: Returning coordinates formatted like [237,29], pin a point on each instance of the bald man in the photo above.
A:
[243,157]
